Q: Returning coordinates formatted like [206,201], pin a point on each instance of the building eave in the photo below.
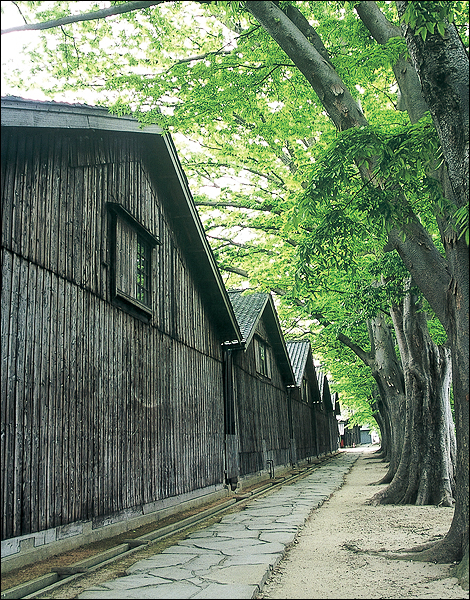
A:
[164,161]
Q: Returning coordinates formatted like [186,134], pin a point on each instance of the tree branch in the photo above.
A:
[19,10]
[234,270]
[90,16]
[344,339]
[382,31]
[274,231]
[236,205]
[358,351]
[421,258]
[343,110]
[418,252]
[308,31]
[200,57]
[378,25]
[272,176]
[240,245]
[443,66]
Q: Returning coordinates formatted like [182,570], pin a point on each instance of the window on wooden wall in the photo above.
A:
[262,357]
[305,391]
[143,269]
[131,262]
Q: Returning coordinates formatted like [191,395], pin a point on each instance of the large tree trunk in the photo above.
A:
[388,374]
[425,474]
[443,69]
[382,417]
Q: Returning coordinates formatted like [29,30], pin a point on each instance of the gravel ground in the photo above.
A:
[344,549]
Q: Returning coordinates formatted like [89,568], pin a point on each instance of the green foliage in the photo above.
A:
[462,222]
[398,161]
[427,17]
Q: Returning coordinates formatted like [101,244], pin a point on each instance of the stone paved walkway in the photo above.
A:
[232,558]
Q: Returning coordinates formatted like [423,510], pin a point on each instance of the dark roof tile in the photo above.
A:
[298,353]
[248,309]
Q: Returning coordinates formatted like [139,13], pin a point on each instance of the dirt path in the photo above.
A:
[340,552]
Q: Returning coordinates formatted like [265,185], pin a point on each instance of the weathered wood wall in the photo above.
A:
[303,425]
[101,413]
[352,436]
[262,410]
[323,418]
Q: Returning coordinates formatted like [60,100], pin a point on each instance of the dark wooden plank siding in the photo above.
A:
[95,443]
[101,412]
[8,378]
[303,426]
[262,413]
[322,418]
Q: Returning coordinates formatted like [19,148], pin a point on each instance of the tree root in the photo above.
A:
[420,547]
[381,482]
[436,552]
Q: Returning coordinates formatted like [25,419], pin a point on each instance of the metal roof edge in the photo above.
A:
[208,254]
[22,112]
[281,337]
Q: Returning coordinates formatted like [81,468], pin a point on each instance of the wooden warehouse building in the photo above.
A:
[314,417]
[305,400]
[133,384]
[261,373]
[114,316]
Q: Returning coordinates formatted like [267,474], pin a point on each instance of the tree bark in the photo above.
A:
[443,69]
[342,109]
[382,30]
[388,374]
[382,417]
[425,474]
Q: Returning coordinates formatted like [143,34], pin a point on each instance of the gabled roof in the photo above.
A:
[166,167]
[21,112]
[249,309]
[325,392]
[336,404]
[298,353]
[330,399]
